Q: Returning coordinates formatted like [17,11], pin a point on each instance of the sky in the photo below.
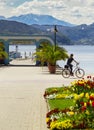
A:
[72,11]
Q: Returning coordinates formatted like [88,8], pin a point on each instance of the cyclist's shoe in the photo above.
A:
[72,74]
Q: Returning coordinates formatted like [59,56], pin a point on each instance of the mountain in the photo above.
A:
[38,19]
[16,28]
[2,18]
[13,28]
[82,34]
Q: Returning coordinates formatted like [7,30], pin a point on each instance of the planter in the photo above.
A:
[52,68]
[1,61]
[50,54]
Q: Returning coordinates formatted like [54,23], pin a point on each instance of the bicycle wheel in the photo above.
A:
[66,73]
[80,73]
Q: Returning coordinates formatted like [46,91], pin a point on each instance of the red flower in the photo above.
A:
[88,77]
[88,103]
[93,104]
[82,103]
[83,108]
[91,97]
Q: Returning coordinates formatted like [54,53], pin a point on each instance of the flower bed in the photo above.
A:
[71,107]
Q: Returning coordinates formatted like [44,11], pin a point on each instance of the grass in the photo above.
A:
[59,90]
[60,103]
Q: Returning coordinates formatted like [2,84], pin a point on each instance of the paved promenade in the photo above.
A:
[22,106]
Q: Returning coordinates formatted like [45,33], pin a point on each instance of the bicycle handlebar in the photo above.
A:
[77,63]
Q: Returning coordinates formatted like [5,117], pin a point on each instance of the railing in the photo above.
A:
[14,55]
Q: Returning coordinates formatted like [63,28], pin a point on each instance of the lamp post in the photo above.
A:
[55,31]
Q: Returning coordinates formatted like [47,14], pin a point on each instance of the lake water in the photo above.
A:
[83,54]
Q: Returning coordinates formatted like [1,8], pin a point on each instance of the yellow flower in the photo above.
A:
[81,82]
[81,95]
[92,94]
[90,102]
[61,95]
[47,120]
[54,89]
[87,112]
[71,113]
[87,95]
[76,97]
[66,124]
[52,125]
[85,104]
[88,86]
[73,83]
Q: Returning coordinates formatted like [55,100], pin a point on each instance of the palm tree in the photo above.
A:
[3,53]
[50,54]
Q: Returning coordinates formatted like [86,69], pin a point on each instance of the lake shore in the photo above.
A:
[83,54]
[22,105]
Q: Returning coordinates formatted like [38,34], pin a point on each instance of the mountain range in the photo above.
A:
[82,34]
[30,19]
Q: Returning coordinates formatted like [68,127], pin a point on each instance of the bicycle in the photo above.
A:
[77,71]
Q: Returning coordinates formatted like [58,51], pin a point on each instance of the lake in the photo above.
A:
[83,54]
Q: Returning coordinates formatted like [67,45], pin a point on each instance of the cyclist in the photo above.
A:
[69,63]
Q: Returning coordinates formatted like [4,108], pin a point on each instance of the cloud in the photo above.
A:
[73,11]
[41,7]
[2,4]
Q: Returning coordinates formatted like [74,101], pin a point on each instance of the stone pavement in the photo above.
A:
[22,106]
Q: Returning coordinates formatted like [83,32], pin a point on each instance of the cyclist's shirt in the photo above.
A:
[69,61]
